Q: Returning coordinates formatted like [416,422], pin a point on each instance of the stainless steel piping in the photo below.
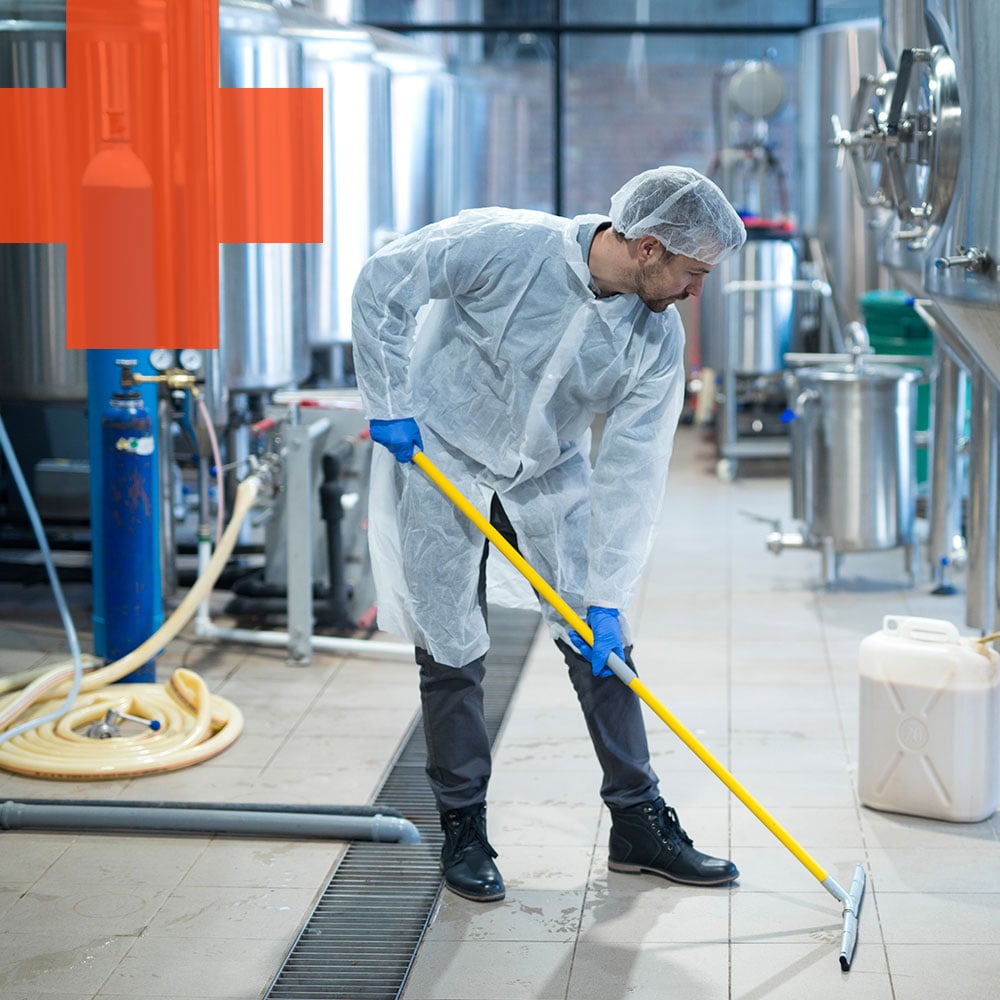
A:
[945,507]
[981,573]
[953,365]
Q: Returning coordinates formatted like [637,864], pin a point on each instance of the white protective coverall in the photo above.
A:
[504,372]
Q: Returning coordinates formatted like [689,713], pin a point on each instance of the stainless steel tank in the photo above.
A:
[961,272]
[833,60]
[418,85]
[853,481]
[962,278]
[263,330]
[902,27]
[357,203]
[362,173]
[361,156]
[758,309]
[35,365]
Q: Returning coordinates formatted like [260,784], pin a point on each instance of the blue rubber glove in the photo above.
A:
[607,631]
[399,436]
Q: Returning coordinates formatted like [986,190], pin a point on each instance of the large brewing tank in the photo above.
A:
[833,58]
[961,271]
[903,27]
[263,332]
[357,201]
[903,138]
[420,91]
[362,170]
[961,275]
[35,365]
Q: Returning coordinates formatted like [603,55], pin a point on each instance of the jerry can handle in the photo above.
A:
[921,629]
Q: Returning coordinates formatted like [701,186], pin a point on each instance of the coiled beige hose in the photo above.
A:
[194,724]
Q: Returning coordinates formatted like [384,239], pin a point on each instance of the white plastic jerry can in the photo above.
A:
[929,721]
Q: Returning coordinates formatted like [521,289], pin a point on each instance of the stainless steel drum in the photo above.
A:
[263,333]
[853,481]
[35,365]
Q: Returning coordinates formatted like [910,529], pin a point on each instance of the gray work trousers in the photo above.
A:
[458,746]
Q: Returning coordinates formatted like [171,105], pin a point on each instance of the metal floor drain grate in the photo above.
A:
[360,940]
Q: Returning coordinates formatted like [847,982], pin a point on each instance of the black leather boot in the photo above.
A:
[467,857]
[649,838]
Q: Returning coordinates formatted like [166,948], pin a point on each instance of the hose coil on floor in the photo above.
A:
[193,724]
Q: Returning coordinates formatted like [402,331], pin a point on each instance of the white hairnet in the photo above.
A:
[683,209]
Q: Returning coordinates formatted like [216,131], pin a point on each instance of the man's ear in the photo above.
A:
[649,248]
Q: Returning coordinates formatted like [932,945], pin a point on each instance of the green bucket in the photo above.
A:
[895,328]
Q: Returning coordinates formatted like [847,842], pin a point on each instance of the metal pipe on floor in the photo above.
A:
[204,628]
[272,807]
[244,823]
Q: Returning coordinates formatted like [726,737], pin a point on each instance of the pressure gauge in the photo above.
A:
[191,359]
[161,359]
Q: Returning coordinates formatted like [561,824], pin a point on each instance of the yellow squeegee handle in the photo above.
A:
[448,488]
[621,669]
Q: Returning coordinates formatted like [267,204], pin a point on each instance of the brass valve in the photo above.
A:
[175,378]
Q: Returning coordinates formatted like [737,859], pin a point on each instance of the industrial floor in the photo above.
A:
[748,649]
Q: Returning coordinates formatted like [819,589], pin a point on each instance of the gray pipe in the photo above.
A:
[270,807]
[245,823]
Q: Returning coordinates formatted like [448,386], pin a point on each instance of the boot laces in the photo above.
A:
[670,816]
[468,830]
[666,821]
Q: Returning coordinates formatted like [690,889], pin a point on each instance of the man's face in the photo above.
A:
[663,280]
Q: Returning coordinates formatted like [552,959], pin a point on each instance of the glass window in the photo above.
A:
[700,13]
[487,13]
[635,102]
[847,10]
[500,148]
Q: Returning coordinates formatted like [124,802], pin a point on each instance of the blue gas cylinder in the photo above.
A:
[128,516]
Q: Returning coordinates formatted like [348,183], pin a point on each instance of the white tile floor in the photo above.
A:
[745,648]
